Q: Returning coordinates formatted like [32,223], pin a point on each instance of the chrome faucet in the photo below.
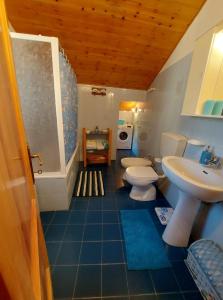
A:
[215,162]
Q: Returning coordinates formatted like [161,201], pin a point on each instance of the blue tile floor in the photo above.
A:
[87,252]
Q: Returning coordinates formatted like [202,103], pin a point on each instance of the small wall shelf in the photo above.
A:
[202,116]
[97,146]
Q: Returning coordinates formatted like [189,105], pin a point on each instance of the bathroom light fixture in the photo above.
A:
[135,110]
[218,41]
[98,91]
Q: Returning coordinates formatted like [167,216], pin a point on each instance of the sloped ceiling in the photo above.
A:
[120,43]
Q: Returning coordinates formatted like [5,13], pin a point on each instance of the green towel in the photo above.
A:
[218,108]
[208,107]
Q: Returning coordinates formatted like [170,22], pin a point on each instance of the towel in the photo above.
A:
[97,145]
[100,145]
[91,144]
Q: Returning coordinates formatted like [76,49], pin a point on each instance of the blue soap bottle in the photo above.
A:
[206,156]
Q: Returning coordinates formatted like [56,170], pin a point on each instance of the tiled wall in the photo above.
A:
[103,111]
[127,116]
[69,98]
[166,103]
[142,132]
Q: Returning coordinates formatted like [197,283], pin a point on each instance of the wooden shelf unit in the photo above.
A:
[96,156]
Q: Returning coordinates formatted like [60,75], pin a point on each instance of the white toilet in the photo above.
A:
[141,176]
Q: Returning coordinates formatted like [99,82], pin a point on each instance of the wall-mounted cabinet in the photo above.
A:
[204,94]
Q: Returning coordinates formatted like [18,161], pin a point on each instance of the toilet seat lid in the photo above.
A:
[142,173]
[135,161]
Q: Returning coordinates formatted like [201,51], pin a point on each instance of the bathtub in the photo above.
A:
[55,189]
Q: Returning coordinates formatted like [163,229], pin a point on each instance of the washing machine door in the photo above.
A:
[124,140]
[123,136]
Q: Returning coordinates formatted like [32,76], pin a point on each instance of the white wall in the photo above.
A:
[127,116]
[166,104]
[102,111]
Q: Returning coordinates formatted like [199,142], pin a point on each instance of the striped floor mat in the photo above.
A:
[89,184]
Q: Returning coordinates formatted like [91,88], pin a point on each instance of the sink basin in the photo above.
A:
[200,182]
[196,183]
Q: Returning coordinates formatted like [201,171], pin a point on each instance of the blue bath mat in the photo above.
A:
[144,246]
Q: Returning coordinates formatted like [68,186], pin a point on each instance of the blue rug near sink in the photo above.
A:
[144,246]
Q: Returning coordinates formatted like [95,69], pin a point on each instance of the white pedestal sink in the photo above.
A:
[196,184]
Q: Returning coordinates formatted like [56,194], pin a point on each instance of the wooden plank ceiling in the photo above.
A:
[121,43]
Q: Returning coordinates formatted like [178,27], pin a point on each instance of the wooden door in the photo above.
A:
[24,268]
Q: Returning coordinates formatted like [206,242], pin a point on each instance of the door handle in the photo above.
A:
[32,156]
[37,155]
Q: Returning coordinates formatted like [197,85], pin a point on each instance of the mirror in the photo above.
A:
[204,93]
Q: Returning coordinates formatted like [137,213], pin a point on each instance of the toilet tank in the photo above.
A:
[172,144]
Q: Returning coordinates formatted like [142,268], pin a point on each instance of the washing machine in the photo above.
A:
[124,137]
